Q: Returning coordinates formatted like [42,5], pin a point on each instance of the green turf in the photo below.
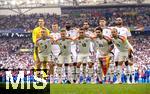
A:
[100,89]
[93,89]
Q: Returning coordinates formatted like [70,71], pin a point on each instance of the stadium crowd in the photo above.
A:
[133,17]
[11,56]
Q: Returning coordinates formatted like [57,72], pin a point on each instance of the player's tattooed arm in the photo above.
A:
[69,38]
[56,41]
[75,38]
[88,36]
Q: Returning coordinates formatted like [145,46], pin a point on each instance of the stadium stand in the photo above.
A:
[133,17]
[16,53]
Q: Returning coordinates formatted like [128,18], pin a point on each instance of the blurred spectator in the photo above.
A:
[133,17]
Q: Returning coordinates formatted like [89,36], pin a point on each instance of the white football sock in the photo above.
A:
[119,71]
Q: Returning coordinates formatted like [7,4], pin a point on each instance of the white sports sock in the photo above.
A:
[59,70]
[100,74]
[107,76]
[119,71]
[77,70]
[132,73]
[90,71]
[128,72]
[111,76]
[70,68]
[66,69]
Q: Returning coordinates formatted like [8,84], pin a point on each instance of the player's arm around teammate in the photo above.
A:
[103,46]
[36,34]
[125,49]
[43,52]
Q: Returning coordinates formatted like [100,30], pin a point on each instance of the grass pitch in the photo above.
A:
[83,89]
[100,89]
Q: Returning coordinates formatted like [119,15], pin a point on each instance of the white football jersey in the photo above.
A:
[123,31]
[55,47]
[102,45]
[73,33]
[44,46]
[90,34]
[121,43]
[83,45]
[107,32]
[65,46]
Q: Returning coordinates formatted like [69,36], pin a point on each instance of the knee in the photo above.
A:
[78,65]
[116,63]
[126,63]
[90,65]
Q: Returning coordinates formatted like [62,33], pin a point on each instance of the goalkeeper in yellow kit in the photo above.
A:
[36,34]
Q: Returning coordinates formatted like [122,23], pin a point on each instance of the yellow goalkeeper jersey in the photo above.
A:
[36,34]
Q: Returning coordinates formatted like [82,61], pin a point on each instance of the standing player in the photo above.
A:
[89,33]
[55,47]
[86,29]
[72,32]
[56,35]
[36,34]
[102,24]
[103,46]
[125,50]
[122,30]
[43,51]
[65,53]
[106,32]
[83,53]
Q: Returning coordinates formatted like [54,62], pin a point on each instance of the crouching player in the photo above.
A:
[43,53]
[64,57]
[125,51]
[84,62]
[103,46]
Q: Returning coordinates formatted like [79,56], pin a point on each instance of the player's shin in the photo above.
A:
[37,69]
[133,74]
[44,72]
[84,69]
[91,71]
[119,72]
[111,77]
[70,73]
[78,71]
[51,69]
[128,67]
[66,69]
[74,71]
[99,72]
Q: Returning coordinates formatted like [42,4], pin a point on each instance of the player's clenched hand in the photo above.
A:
[74,38]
